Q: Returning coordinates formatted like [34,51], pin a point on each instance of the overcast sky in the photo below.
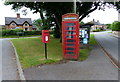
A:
[107,16]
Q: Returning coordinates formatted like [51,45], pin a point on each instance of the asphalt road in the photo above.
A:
[9,70]
[96,67]
[108,42]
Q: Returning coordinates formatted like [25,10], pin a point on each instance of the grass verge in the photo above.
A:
[92,40]
[84,53]
[109,32]
[31,51]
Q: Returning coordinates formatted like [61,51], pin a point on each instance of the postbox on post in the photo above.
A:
[70,36]
[45,36]
[45,39]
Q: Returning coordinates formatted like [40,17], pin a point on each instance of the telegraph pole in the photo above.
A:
[75,6]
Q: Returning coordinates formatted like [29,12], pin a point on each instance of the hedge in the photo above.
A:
[115,26]
[10,31]
[15,31]
[32,33]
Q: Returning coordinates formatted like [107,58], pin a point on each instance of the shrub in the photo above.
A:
[56,33]
[32,32]
[10,31]
[115,26]
[15,32]
[51,32]
[108,26]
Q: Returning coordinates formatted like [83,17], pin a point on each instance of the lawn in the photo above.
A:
[31,51]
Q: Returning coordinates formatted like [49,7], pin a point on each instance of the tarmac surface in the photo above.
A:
[109,43]
[96,67]
[9,69]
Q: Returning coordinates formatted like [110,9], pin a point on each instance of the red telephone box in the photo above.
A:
[70,36]
[45,36]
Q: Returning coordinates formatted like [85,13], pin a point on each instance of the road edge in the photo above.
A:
[19,67]
[113,61]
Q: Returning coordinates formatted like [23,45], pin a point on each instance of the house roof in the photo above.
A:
[19,21]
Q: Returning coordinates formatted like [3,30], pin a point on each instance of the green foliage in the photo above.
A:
[115,26]
[16,36]
[32,32]
[92,40]
[108,26]
[10,31]
[38,23]
[51,32]
[55,10]
[56,33]
[81,22]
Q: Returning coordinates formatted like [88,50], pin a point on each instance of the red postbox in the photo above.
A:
[45,36]
[70,36]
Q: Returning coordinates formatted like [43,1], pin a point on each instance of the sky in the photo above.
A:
[105,17]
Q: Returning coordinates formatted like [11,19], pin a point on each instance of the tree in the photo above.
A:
[81,22]
[115,26]
[55,10]
[38,23]
[109,26]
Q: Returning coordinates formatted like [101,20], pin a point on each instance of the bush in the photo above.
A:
[32,32]
[15,32]
[108,26]
[10,31]
[51,32]
[115,26]
[56,33]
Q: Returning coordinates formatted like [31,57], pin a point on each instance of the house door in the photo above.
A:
[26,29]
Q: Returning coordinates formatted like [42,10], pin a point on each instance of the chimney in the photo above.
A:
[18,15]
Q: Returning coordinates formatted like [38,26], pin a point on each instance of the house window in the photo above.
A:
[13,24]
[26,24]
[17,28]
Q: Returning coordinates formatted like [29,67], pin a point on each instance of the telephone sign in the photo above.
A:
[70,36]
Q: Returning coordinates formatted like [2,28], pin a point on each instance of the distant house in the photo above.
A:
[34,27]
[18,23]
[98,25]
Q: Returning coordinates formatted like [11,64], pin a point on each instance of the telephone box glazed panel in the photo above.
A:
[45,36]
[70,36]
